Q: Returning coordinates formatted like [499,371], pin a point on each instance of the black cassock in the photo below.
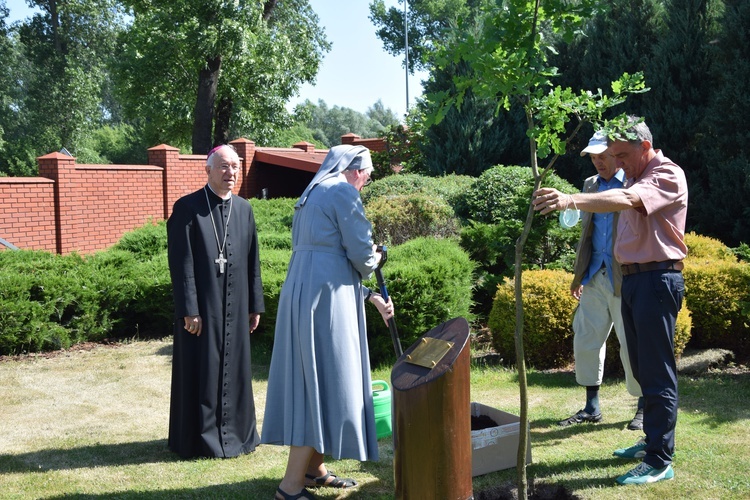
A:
[212,411]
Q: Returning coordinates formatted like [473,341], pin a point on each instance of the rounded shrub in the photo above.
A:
[548,322]
[718,291]
[496,207]
[682,333]
[548,313]
[447,187]
[400,218]
[706,249]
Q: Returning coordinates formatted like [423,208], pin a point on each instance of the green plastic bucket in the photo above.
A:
[381,398]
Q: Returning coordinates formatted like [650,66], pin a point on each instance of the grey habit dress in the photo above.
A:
[212,411]
[319,385]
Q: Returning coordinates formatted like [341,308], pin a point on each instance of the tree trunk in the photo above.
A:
[268,7]
[221,126]
[203,114]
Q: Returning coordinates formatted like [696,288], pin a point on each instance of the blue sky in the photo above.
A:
[355,73]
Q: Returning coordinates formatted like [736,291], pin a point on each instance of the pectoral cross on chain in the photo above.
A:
[221,261]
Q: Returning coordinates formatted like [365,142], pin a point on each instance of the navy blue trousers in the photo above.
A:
[650,303]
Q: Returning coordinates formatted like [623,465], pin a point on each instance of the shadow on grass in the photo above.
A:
[251,489]
[100,455]
[152,452]
[573,467]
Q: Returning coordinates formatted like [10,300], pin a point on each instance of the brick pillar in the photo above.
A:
[250,177]
[349,138]
[305,146]
[61,169]
[165,156]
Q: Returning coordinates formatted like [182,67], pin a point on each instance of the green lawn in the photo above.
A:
[93,423]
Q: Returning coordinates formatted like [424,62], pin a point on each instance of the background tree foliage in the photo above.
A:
[328,124]
[693,55]
[473,138]
[57,86]
[213,70]
[60,79]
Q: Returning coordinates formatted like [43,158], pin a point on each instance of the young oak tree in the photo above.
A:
[509,62]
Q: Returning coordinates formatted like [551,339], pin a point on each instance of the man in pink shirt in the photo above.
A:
[650,245]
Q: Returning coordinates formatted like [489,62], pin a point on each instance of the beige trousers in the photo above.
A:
[598,310]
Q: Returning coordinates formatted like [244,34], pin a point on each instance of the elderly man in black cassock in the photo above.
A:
[218,296]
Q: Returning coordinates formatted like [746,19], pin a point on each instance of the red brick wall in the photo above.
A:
[97,204]
[86,208]
[27,213]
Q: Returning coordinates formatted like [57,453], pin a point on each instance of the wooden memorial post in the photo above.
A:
[432,417]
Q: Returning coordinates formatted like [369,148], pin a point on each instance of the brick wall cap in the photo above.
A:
[56,156]
[163,147]
[242,140]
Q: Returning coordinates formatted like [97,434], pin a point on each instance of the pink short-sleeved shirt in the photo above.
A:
[656,231]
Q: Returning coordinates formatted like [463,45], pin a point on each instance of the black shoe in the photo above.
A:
[579,418]
[637,423]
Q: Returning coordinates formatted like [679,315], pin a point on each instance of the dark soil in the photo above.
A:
[540,491]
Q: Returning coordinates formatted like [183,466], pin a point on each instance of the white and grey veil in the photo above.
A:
[339,158]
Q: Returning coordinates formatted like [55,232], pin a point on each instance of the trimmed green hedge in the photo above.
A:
[49,302]
[430,282]
[400,218]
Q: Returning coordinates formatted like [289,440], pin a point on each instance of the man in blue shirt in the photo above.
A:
[596,284]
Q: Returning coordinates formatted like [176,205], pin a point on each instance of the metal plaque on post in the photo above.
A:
[429,352]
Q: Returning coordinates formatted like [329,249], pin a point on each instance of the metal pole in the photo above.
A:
[384,292]
[406,51]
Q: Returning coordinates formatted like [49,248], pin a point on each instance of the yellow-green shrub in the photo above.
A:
[719,296]
[548,312]
[613,364]
[548,318]
[718,290]
[706,249]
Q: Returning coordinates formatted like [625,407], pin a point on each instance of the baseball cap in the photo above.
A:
[597,144]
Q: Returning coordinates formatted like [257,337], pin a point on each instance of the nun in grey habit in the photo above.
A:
[319,399]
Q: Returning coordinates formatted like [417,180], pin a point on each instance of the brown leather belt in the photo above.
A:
[674,265]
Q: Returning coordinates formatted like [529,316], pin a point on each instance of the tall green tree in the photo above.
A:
[724,199]
[385,117]
[60,74]
[202,71]
[428,21]
[472,137]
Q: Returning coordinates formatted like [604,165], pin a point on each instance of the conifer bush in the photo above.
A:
[430,281]
[495,207]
